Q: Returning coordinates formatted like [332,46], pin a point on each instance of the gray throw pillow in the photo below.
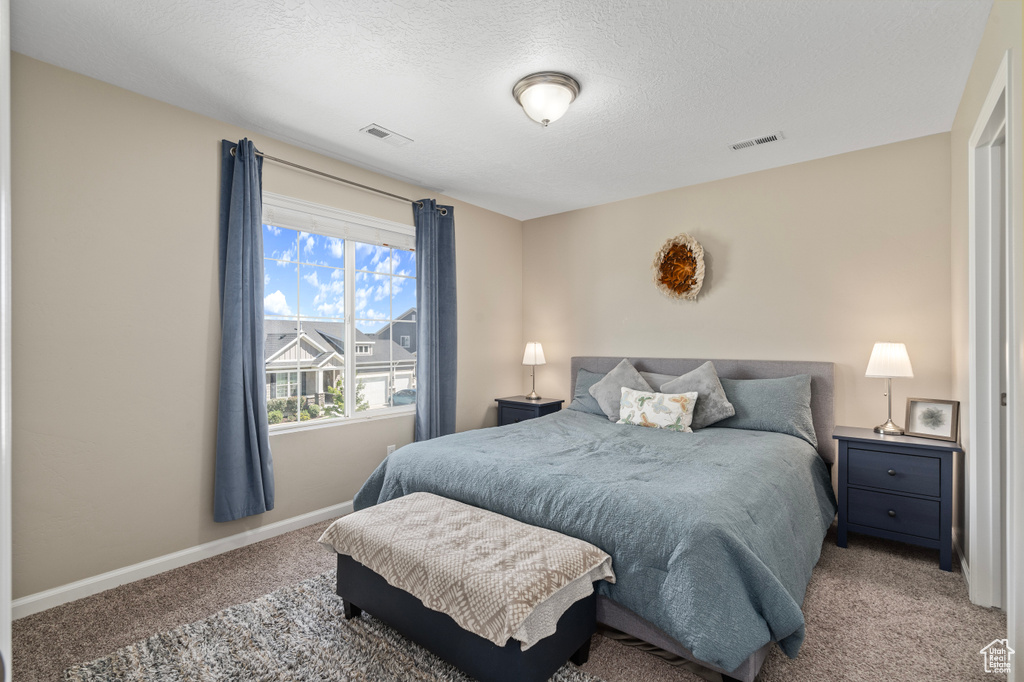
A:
[608,391]
[582,401]
[780,405]
[654,380]
[712,403]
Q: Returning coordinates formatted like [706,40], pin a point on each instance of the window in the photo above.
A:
[404,341]
[286,384]
[333,281]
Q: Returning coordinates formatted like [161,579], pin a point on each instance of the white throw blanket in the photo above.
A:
[496,577]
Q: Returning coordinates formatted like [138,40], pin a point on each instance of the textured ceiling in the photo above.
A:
[666,85]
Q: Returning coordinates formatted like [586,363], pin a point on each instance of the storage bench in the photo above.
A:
[457,580]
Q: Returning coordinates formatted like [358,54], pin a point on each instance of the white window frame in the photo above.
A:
[287,382]
[404,340]
[306,216]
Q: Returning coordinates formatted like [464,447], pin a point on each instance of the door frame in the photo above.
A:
[996,551]
[5,337]
[985,475]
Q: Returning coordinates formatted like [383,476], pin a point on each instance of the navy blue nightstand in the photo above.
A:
[519,408]
[898,488]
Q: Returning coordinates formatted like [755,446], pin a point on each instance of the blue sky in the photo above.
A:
[304,274]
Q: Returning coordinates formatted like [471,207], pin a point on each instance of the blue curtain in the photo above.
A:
[436,353]
[244,483]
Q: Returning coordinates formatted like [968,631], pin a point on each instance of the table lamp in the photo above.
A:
[888,361]
[533,356]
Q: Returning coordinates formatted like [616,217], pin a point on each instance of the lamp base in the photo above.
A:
[889,428]
[533,395]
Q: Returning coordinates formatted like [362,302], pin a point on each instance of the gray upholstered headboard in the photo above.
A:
[822,382]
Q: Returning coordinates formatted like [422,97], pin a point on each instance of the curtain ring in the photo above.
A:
[442,211]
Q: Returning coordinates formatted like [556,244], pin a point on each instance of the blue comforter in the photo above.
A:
[713,534]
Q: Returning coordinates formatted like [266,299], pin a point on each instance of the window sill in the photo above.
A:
[368,416]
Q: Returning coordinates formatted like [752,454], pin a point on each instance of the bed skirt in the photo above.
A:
[616,616]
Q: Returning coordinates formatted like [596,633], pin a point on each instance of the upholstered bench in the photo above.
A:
[502,600]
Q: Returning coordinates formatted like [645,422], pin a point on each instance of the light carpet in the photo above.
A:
[877,610]
[297,633]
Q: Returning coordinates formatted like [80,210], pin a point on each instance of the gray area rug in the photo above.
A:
[297,633]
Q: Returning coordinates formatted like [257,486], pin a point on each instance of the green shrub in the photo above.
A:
[313,410]
[275,417]
[286,406]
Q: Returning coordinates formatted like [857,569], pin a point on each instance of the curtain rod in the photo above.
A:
[314,171]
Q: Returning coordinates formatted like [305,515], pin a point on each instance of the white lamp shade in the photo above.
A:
[534,354]
[889,360]
[546,103]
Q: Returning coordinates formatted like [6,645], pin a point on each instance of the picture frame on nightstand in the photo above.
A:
[933,418]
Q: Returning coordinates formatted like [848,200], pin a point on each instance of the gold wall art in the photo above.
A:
[679,268]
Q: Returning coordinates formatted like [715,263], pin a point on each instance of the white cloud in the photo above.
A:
[288,255]
[371,314]
[337,247]
[266,279]
[312,278]
[362,296]
[382,266]
[330,298]
[276,304]
[273,230]
[335,309]
[310,243]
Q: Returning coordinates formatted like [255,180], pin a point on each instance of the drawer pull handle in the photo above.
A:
[892,472]
[892,513]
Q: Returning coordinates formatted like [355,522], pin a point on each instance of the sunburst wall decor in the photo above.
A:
[679,267]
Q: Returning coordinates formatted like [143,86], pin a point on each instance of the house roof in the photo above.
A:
[403,318]
[331,337]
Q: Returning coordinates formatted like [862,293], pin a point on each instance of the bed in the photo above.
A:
[713,534]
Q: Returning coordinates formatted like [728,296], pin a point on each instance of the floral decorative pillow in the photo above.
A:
[672,411]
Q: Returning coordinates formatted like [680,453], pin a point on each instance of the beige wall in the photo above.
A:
[814,261]
[115,202]
[1002,33]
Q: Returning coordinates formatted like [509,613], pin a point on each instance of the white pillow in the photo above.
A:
[672,411]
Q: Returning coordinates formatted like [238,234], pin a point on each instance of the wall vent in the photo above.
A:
[754,141]
[382,133]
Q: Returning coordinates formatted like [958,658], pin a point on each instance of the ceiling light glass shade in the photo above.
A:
[534,354]
[546,96]
[889,360]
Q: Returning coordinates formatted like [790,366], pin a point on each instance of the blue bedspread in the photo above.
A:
[713,535]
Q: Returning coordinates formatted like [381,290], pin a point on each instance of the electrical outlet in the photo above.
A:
[391,448]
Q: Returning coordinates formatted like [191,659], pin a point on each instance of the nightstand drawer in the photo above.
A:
[519,408]
[513,415]
[891,471]
[895,513]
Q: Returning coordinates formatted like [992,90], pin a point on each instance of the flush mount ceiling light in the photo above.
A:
[546,96]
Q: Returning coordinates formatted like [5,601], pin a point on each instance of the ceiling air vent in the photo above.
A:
[754,141]
[382,133]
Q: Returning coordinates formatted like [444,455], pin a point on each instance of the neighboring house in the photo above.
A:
[404,329]
[307,362]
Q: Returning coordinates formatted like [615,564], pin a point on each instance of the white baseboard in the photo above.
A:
[40,601]
[958,545]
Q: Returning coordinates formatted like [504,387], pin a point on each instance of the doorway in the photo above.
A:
[988,300]
[995,470]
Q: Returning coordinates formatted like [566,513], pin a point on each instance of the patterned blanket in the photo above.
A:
[496,577]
